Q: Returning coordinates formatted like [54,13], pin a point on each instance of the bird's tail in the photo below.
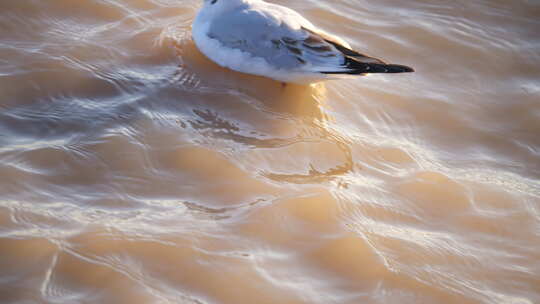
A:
[354,66]
[357,63]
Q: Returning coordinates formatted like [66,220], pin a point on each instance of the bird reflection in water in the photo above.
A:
[302,106]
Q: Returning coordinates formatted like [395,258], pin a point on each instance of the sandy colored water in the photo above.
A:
[133,170]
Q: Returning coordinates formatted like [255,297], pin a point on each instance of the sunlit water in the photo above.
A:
[133,170]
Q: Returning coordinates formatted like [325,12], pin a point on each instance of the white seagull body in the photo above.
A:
[256,37]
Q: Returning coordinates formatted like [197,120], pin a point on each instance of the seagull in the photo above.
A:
[273,41]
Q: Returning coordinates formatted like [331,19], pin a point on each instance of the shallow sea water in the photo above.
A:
[133,170]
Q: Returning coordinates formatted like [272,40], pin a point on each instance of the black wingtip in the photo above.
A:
[356,67]
[398,68]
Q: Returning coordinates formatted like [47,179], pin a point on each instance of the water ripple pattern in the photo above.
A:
[134,170]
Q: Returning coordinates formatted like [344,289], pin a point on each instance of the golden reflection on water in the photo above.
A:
[134,170]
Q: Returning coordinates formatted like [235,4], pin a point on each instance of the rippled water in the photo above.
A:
[133,170]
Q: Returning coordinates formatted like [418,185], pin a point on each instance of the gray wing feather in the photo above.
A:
[292,47]
[279,44]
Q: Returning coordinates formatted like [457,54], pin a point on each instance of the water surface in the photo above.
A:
[133,170]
